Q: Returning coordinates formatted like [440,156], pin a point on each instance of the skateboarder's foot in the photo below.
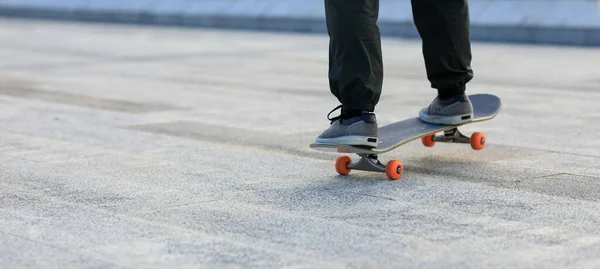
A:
[455,110]
[353,130]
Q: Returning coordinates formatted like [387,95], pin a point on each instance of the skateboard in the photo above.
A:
[394,135]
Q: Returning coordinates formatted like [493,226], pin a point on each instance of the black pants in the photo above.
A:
[355,57]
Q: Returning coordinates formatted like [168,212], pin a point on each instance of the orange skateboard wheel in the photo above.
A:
[394,169]
[477,141]
[428,140]
[341,165]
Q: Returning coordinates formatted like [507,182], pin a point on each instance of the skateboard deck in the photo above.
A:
[394,135]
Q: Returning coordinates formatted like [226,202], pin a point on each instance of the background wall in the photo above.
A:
[573,22]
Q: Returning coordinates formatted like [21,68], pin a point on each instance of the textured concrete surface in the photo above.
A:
[567,22]
[125,147]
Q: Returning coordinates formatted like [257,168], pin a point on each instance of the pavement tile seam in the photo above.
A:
[81,100]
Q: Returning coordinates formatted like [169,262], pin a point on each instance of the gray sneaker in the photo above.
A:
[356,131]
[456,110]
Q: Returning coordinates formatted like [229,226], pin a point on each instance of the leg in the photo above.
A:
[444,29]
[355,71]
[355,60]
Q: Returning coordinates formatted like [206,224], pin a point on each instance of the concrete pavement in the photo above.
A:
[133,147]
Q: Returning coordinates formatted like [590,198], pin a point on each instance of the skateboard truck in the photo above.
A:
[369,162]
[477,139]
[453,136]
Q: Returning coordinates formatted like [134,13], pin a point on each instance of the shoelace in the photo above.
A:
[334,118]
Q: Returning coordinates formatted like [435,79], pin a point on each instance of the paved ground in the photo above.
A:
[125,147]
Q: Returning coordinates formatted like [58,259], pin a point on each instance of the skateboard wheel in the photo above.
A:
[394,169]
[428,140]
[341,165]
[477,141]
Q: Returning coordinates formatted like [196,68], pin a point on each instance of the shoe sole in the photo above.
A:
[366,141]
[447,120]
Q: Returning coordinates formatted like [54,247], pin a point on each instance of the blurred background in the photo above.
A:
[570,22]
